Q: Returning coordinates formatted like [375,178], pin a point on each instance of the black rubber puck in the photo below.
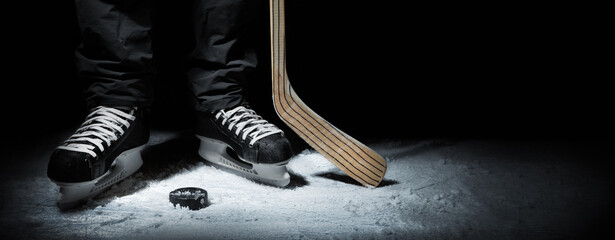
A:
[190,197]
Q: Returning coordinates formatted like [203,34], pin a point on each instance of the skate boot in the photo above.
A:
[243,142]
[104,150]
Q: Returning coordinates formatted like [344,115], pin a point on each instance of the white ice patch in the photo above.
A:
[464,190]
[309,163]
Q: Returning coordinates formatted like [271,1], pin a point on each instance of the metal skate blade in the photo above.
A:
[276,177]
[216,152]
[74,194]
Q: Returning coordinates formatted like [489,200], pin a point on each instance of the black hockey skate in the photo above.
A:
[242,141]
[104,150]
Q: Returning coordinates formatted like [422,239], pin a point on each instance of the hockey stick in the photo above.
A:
[351,156]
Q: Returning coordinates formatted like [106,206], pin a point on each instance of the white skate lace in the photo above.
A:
[249,122]
[100,128]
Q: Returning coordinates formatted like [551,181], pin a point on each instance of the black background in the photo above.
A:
[375,70]
[381,70]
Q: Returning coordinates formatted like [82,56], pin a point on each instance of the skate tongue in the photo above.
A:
[125,109]
[236,111]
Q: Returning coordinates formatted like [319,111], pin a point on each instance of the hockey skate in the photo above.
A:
[241,141]
[103,151]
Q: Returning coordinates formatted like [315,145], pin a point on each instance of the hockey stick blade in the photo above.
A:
[351,156]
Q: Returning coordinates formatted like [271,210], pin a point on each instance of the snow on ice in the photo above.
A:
[433,189]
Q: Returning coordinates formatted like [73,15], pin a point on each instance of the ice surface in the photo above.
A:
[433,189]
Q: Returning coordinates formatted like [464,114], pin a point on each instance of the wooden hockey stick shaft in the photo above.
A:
[351,156]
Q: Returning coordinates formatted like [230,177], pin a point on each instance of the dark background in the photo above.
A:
[377,70]
[383,70]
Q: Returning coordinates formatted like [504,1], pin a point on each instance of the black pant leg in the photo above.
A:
[115,57]
[223,56]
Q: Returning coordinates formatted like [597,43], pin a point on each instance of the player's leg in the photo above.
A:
[115,61]
[232,135]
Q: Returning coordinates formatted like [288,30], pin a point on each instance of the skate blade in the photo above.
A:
[215,152]
[74,194]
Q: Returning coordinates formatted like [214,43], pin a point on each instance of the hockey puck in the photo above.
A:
[190,197]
